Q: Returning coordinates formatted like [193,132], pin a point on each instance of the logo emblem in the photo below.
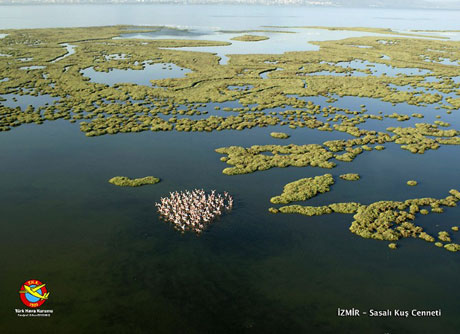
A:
[33,293]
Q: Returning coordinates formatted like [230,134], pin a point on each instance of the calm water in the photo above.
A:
[138,77]
[293,40]
[223,16]
[112,266]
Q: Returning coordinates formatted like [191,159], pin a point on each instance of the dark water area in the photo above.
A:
[112,266]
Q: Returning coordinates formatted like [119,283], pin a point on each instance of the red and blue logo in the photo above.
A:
[33,293]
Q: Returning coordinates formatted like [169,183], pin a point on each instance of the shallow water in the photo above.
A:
[242,87]
[22,101]
[446,61]
[277,43]
[120,56]
[264,74]
[378,69]
[453,35]
[352,73]
[113,267]
[70,51]
[33,67]
[139,77]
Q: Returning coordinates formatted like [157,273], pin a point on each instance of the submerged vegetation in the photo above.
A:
[123,181]
[272,90]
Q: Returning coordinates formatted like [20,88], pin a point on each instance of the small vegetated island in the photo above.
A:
[123,181]
[304,189]
[350,177]
[249,38]
[279,135]
[399,68]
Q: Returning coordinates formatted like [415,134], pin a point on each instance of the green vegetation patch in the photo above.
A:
[444,236]
[279,135]
[123,181]
[347,208]
[280,87]
[107,110]
[350,177]
[424,137]
[452,247]
[384,220]
[304,189]
[249,38]
[249,160]
[257,30]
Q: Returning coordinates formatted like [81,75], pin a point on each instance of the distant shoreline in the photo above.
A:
[169,3]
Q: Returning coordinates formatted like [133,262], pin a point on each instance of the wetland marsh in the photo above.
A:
[340,147]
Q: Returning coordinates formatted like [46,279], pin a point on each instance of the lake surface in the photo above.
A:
[138,77]
[224,16]
[112,266]
[288,40]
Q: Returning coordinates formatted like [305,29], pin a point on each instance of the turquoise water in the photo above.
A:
[112,266]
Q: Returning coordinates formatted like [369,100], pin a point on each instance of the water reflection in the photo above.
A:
[70,51]
[290,39]
[22,101]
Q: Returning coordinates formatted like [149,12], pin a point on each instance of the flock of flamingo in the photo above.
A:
[193,210]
